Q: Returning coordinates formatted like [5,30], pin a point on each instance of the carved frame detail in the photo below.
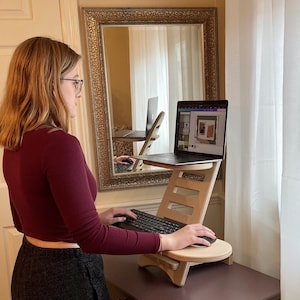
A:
[93,19]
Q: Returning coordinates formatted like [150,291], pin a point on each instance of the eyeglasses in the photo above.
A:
[77,83]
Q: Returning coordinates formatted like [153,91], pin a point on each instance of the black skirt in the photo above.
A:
[43,273]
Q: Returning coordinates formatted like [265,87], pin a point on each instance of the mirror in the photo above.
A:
[96,22]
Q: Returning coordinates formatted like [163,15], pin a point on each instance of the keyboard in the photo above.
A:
[146,222]
[149,223]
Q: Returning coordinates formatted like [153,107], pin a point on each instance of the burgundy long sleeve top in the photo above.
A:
[52,194]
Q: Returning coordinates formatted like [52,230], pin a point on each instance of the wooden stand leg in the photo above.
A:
[176,270]
[177,263]
[228,260]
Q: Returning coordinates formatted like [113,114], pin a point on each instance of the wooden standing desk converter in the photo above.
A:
[213,281]
[190,187]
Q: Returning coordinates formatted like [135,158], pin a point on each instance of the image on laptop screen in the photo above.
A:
[200,127]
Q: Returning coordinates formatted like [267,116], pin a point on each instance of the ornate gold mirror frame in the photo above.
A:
[93,20]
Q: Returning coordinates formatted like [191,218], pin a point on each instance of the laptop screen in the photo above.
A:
[201,126]
[151,112]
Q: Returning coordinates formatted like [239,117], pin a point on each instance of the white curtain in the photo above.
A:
[290,201]
[165,61]
[262,176]
[254,125]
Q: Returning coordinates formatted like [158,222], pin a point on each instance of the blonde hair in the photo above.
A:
[32,94]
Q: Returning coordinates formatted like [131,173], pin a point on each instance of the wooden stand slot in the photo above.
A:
[191,188]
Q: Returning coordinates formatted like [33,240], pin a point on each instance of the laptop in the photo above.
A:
[150,118]
[200,134]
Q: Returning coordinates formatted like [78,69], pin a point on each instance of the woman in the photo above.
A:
[51,189]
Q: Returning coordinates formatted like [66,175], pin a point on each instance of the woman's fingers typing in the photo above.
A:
[115,215]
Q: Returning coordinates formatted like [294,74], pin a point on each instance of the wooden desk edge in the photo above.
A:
[216,252]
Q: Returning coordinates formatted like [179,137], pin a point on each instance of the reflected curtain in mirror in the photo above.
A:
[165,60]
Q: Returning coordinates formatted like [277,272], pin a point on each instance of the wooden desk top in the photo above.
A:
[212,281]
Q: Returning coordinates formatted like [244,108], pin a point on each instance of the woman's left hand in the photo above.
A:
[115,215]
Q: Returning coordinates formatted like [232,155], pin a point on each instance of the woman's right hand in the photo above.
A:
[186,236]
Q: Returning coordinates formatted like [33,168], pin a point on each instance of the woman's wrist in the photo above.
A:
[160,249]
[163,243]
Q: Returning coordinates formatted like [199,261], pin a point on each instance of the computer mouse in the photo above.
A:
[206,238]
[127,160]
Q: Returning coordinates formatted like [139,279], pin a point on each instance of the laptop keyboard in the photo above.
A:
[149,223]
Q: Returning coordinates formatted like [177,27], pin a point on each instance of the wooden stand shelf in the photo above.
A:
[190,188]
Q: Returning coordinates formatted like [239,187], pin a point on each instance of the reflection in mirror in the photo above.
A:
[147,60]
[139,53]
